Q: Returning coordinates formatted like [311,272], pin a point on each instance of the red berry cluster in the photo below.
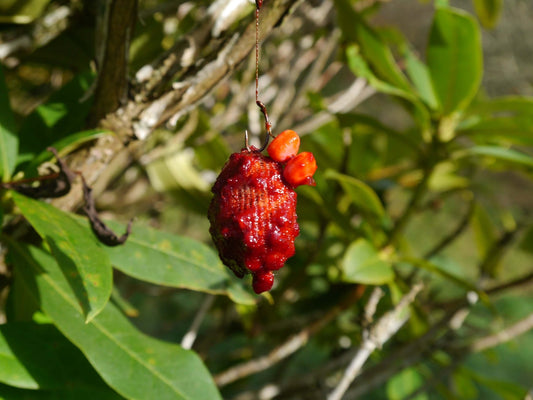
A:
[299,168]
[253,211]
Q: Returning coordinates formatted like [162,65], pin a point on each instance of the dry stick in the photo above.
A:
[42,31]
[411,206]
[140,118]
[403,357]
[409,354]
[375,337]
[487,342]
[517,329]
[294,343]
[190,336]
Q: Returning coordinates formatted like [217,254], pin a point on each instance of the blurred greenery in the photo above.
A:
[425,170]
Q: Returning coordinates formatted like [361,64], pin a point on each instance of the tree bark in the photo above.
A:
[133,122]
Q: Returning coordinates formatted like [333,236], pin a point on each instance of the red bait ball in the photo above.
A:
[300,169]
[253,217]
[284,146]
[263,282]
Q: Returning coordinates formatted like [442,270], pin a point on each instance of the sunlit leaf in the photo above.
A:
[372,46]
[360,68]
[362,264]
[177,261]
[418,72]
[135,365]
[454,58]
[502,106]
[497,152]
[405,383]
[506,119]
[446,176]
[85,265]
[360,194]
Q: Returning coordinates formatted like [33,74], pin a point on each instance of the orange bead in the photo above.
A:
[300,169]
[284,146]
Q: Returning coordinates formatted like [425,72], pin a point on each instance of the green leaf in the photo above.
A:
[177,261]
[404,383]
[176,173]
[84,263]
[418,72]
[507,119]
[505,390]
[380,57]
[63,113]
[497,152]
[361,264]
[512,130]
[464,386]
[135,365]
[35,356]
[454,58]
[502,106]
[65,146]
[372,46]
[484,230]
[488,12]
[360,194]
[8,139]
[446,177]
[359,67]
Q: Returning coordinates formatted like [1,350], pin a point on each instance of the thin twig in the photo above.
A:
[42,31]
[419,192]
[374,338]
[190,336]
[139,119]
[517,329]
[287,348]
[402,357]
[454,234]
[372,304]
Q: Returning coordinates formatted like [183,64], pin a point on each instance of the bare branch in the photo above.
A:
[454,234]
[517,329]
[138,119]
[41,32]
[190,336]
[116,26]
[287,348]
[374,338]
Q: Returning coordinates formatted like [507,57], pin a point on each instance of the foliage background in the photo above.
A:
[361,214]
